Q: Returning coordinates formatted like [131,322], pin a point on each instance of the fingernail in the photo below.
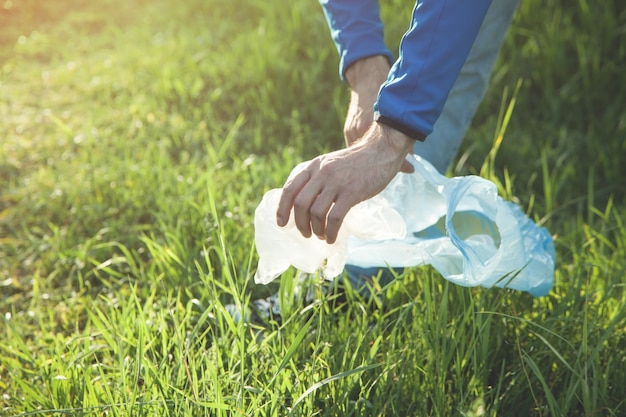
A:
[280,221]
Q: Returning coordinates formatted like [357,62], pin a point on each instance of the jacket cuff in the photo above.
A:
[400,127]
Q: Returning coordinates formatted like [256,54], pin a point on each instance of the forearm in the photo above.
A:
[367,72]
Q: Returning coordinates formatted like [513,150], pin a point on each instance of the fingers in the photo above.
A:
[309,202]
[319,213]
[334,220]
[287,198]
[310,206]
[302,206]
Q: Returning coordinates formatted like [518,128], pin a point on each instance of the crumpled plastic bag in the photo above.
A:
[458,225]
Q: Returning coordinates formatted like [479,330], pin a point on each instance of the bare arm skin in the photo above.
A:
[365,77]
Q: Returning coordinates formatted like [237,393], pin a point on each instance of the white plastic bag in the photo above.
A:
[458,225]
[281,247]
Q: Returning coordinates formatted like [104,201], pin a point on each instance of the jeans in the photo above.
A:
[441,146]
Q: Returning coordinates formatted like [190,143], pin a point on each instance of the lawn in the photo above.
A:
[136,140]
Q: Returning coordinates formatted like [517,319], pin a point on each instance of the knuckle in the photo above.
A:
[327,170]
[334,218]
[318,214]
[289,188]
[300,203]
[287,192]
[314,164]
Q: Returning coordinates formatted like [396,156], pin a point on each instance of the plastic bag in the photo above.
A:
[281,247]
[458,225]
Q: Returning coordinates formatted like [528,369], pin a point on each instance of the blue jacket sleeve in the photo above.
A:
[432,53]
[356,29]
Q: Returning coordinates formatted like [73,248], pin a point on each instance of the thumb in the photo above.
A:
[406,167]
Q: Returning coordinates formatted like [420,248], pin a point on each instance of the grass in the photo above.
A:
[136,141]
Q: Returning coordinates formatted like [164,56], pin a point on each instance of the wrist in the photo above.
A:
[396,140]
[388,139]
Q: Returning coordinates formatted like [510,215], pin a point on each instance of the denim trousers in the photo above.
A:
[441,146]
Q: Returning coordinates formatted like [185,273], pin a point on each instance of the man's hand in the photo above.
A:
[322,194]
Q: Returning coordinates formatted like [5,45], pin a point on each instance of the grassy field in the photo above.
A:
[136,140]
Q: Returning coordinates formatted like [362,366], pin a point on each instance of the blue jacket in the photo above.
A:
[432,53]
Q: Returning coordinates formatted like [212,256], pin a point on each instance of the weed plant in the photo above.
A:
[137,139]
